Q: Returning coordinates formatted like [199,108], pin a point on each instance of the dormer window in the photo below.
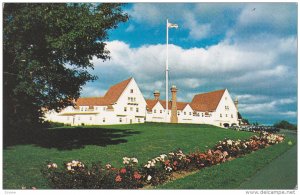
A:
[131,90]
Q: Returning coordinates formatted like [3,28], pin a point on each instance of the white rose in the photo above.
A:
[134,160]
[149,177]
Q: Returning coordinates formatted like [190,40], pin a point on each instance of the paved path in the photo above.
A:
[281,173]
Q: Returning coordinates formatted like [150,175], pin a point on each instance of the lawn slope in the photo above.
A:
[22,161]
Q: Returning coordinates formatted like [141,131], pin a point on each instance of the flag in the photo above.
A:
[170,25]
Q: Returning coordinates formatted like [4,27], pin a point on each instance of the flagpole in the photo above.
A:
[167,71]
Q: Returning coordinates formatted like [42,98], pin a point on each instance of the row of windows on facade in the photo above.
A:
[185,113]
[226,115]
[132,99]
[85,108]
[103,120]
[131,109]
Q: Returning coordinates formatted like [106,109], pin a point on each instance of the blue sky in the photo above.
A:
[248,48]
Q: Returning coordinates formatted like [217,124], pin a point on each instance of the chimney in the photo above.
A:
[174,118]
[156,95]
[236,103]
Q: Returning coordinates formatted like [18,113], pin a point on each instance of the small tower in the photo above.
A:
[236,103]
[174,118]
[156,95]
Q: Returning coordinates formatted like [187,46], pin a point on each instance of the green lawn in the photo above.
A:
[245,172]
[22,162]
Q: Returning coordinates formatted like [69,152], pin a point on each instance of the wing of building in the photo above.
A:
[124,103]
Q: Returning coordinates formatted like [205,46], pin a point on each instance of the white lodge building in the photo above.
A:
[124,103]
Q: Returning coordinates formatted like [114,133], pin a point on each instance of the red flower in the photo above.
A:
[175,163]
[118,178]
[123,170]
[136,175]
[167,162]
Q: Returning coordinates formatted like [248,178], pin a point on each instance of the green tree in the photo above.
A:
[47,53]
[285,125]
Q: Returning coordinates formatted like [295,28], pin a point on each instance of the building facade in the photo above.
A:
[124,103]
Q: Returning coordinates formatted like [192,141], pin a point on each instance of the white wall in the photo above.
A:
[229,114]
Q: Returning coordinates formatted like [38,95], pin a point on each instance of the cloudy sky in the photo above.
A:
[250,49]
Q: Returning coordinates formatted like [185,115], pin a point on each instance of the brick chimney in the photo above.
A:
[174,118]
[156,95]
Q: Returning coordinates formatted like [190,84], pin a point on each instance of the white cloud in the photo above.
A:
[197,31]
[271,14]
[289,113]
[130,28]
[191,17]
[270,107]
[226,63]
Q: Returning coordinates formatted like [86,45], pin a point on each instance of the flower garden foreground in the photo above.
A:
[75,175]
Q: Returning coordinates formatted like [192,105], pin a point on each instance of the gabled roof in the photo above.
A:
[115,91]
[91,101]
[152,103]
[111,96]
[207,101]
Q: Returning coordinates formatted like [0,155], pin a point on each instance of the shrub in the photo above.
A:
[50,124]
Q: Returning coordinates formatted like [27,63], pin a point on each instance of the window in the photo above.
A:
[131,90]
[131,109]
[231,115]
[134,99]
[184,113]
[202,114]
[139,120]
[120,120]
[137,109]
[128,98]
[220,115]
[104,108]
[154,110]
[103,120]
[190,113]
[79,118]
[160,111]
[178,113]
[226,115]
[125,109]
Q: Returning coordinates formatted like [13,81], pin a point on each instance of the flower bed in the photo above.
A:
[75,175]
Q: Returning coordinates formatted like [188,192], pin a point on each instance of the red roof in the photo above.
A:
[111,96]
[207,101]
[152,103]
[91,101]
[115,91]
